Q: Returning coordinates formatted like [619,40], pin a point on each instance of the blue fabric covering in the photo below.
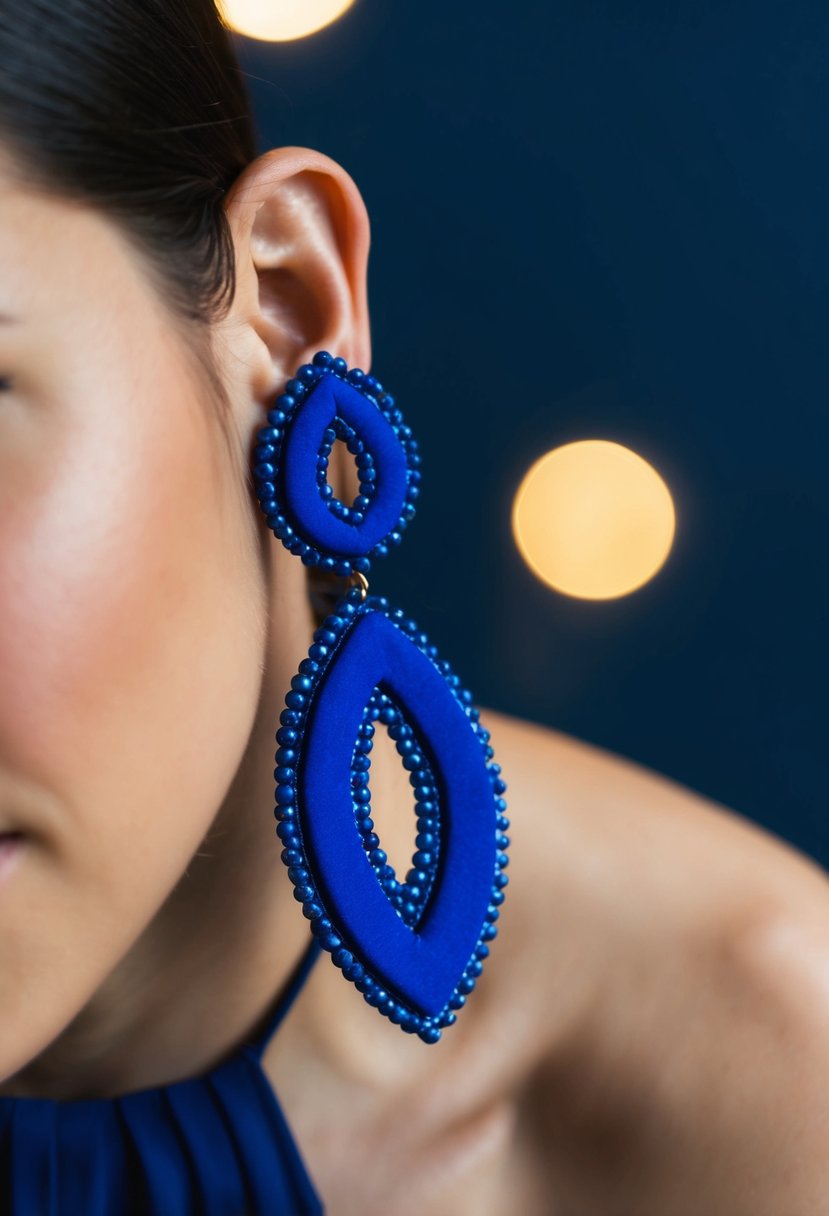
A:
[421,965]
[213,1145]
[300,493]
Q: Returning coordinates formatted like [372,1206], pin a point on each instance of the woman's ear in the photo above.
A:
[301,235]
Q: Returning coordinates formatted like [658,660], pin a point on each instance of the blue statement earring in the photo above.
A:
[413,947]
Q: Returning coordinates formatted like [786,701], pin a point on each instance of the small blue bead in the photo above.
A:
[285,794]
[311,909]
[429,1034]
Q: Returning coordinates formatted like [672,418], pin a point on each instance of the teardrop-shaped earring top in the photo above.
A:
[415,947]
[324,402]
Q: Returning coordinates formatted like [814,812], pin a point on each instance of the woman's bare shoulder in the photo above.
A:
[667,964]
[629,834]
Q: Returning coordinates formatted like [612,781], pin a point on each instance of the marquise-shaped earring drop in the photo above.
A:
[414,945]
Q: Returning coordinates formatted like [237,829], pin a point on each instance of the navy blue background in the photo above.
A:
[604,220]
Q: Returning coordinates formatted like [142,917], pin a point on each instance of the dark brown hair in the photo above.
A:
[137,108]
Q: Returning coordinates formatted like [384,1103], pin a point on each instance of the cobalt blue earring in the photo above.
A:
[413,947]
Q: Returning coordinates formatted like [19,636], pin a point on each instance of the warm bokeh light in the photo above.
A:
[593,519]
[281,20]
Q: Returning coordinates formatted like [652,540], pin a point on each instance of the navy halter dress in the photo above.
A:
[217,1144]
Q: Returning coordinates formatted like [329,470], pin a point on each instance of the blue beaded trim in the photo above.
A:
[410,899]
[270,442]
[365,463]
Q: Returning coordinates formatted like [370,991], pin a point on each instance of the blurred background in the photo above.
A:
[600,222]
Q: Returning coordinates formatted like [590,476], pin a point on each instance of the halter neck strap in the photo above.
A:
[287,996]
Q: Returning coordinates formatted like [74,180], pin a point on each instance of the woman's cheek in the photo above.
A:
[129,674]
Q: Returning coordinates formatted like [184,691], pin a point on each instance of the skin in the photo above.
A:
[650,1033]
